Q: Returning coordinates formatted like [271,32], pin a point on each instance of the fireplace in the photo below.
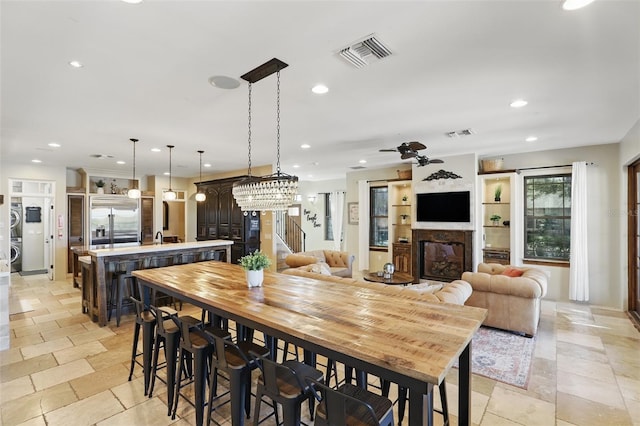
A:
[441,255]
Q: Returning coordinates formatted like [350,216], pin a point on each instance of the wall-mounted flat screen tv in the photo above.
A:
[444,207]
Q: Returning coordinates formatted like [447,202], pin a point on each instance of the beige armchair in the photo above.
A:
[513,302]
[339,263]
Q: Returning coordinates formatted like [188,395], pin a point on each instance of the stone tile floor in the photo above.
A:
[62,369]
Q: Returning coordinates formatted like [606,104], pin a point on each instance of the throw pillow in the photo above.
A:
[512,272]
[324,268]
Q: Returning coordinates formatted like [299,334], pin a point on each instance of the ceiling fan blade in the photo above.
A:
[436,161]
[388,150]
[415,145]
[409,154]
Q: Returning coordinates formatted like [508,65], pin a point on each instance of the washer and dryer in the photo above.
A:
[16,237]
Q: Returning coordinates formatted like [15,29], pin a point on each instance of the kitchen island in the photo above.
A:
[106,259]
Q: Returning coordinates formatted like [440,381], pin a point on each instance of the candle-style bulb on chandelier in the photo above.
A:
[134,192]
[169,195]
[275,191]
[200,196]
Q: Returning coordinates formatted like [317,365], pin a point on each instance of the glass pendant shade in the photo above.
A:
[200,196]
[134,192]
[278,190]
[169,195]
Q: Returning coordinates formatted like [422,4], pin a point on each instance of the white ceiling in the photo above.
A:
[455,65]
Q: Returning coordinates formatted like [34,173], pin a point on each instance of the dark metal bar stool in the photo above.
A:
[167,336]
[403,398]
[147,321]
[123,285]
[285,384]
[233,359]
[350,404]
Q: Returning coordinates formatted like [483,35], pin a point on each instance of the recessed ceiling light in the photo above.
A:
[362,161]
[35,160]
[120,162]
[76,64]
[296,166]
[224,82]
[319,89]
[155,149]
[132,1]
[305,146]
[575,4]
[518,103]
[54,145]
[166,173]
[531,139]
[207,164]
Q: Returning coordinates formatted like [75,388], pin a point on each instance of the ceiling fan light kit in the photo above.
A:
[410,150]
[272,192]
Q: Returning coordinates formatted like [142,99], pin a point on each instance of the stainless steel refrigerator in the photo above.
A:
[114,220]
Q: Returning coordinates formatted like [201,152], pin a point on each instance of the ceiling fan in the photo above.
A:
[410,150]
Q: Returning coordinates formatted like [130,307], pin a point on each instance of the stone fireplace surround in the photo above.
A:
[460,240]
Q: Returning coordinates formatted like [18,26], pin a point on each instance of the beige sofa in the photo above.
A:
[513,302]
[339,263]
[456,292]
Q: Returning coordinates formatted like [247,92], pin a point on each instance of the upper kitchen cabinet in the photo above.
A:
[220,217]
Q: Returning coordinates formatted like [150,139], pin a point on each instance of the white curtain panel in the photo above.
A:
[363,224]
[579,268]
[337,217]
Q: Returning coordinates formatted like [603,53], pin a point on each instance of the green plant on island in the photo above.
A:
[255,261]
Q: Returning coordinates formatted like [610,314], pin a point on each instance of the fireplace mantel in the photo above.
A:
[456,237]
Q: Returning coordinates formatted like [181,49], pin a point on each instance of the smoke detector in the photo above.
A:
[457,133]
[364,52]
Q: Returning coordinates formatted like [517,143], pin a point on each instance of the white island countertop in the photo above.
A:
[147,248]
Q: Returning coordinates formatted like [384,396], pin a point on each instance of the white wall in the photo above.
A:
[607,283]
[315,235]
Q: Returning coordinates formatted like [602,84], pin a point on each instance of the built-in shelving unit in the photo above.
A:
[496,216]
[400,217]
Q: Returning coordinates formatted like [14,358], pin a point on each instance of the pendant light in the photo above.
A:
[200,196]
[278,190]
[169,195]
[134,192]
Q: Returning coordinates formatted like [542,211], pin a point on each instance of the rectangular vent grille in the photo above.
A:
[457,133]
[362,53]
[357,167]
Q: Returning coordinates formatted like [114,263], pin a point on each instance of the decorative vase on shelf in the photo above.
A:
[100,190]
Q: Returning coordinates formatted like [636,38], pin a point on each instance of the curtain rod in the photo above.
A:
[588,163]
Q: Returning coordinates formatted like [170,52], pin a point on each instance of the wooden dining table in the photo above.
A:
[378,329]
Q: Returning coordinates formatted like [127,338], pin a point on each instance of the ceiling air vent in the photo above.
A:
[464,132]
[357,167]
[364,52]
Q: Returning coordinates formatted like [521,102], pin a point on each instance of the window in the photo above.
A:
[328,229]
[547,217]
[379,215]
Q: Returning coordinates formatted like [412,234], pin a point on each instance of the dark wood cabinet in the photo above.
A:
[219,217]
[402,258]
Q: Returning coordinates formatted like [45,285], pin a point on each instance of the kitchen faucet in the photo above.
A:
[160,234]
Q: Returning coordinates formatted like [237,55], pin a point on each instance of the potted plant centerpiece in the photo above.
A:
[254,264]
[100,186]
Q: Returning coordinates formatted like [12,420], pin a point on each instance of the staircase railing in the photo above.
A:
[290,232]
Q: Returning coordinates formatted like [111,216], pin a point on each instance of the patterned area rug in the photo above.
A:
[502,356]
